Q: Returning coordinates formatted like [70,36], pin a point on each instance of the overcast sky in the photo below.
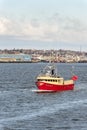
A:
[43,24]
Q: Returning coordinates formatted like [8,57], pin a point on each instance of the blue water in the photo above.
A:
[23,109]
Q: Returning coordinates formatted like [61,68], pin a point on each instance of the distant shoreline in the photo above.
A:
[38,62]
[17,62]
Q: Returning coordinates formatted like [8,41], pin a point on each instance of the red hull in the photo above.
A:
[53,87]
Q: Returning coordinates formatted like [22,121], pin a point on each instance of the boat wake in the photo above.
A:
[42,91]
[80,87]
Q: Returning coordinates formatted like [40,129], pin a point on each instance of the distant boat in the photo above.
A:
[49,81]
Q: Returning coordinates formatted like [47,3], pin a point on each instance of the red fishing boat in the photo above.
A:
[48,80]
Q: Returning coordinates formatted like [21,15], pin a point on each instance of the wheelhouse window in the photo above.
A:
[49,80]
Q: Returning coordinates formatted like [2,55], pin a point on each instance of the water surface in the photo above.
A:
[22,109]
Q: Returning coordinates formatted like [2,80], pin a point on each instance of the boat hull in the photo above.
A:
[54,87]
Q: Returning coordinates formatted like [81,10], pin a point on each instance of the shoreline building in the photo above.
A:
[15,57]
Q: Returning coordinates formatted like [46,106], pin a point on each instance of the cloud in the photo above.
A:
[69,29]
[55,28]
[3,25]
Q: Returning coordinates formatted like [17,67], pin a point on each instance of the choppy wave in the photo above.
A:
[44,111]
